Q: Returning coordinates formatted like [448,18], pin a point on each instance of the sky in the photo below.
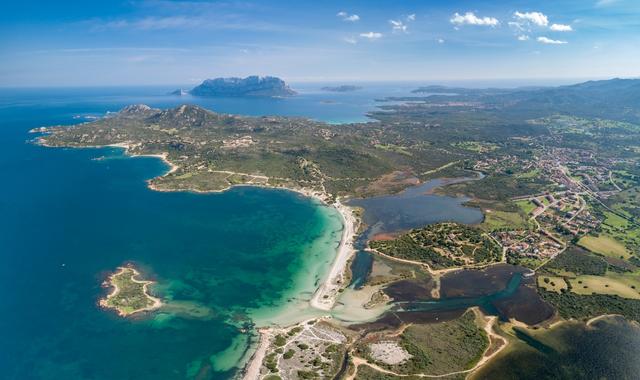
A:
[147,42]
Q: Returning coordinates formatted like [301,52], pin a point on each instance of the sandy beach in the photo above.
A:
[252,369]
[325,296]
[163,156]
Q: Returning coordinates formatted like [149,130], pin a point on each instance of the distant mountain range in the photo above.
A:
[252,86]
[617,99]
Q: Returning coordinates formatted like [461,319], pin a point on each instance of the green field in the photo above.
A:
[552,283]
[530,174]
[615,221]
[526,206]
[623,285]
[605,245]
[494,220]
[476,146]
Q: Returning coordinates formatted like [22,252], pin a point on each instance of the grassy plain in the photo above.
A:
[552,283]
[495,220]
[623,285]
[604,245]
[526,206]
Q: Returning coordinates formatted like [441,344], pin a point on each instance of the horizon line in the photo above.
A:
[320,81]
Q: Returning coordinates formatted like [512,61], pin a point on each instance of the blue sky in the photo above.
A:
[84,43]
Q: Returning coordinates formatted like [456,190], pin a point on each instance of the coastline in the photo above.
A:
[327,292]
[157,303]
[162,156]
[251,370]
[325,295]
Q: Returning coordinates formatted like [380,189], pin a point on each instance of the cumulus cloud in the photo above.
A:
[371,35]
[347,17]
[561,28]
[537,18]
[546,40]
[440,40]
[471,19]
[411,17]
[398,26]
[523,37]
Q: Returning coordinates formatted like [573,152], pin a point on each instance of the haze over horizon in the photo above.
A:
[171,42]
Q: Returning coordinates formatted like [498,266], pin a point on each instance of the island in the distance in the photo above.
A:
[130,294]
[251,86]
[342,88]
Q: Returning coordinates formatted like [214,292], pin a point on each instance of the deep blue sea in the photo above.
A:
[70,216]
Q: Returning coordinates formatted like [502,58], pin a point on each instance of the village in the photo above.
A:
[563,213]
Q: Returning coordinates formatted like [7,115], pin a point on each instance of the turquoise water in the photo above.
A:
[222,262]
[67,219]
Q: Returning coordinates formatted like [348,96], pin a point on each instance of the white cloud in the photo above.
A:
[523,37]
[516,25]
[371,35]
[350,40]
[398,26]
[604,3]
[411,17]
[347,17]
[440,40]
[561,28]
[536,18]
[546,40]
[152,23]
[471,19]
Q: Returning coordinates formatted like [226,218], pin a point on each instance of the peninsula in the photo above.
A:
[130,294]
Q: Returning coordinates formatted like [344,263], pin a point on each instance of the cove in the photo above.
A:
[71,216]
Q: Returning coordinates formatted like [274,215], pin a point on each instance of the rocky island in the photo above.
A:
[251,86]
[130,294]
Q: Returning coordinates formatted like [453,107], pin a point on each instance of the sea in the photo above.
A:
[224,264]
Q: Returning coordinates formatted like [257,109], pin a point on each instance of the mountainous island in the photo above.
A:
[251,86]
[558,245]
